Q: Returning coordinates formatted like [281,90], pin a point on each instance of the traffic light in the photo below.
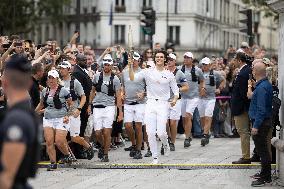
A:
[148,22]
[247,29]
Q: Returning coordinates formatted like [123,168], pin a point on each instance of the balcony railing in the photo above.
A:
[120,9]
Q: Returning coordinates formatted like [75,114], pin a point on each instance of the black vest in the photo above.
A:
[193,74]
[56,100]
[211,78]
[98,86]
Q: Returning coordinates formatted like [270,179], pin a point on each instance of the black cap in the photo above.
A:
[81,58]
[18,62]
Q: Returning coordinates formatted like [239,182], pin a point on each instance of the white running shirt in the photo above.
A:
[158,83]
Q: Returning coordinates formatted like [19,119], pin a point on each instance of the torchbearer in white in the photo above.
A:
[159,83]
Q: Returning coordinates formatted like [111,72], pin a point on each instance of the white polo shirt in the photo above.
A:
[158,83]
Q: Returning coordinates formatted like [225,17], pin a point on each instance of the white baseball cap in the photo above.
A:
[240,50]
[266,61]
[244,44]
[172,56]
[107,59]
[136,56]
[65,64]
[188,54]
[53,73]
[205,60]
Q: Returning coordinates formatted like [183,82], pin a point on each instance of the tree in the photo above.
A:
[262,6]
[21,16]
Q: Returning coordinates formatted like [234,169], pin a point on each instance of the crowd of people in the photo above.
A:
[85,101]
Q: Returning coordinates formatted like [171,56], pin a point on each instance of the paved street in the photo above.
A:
[219,151]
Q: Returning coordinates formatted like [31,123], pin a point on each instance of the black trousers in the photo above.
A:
[84,120]
[260,142]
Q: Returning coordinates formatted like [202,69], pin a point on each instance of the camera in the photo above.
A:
[18,44]
[249,60]
[39,46]
[6,46]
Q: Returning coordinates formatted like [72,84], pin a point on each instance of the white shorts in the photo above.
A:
[156,116]
[75,124]
[189,105]
[175,112]
[90,126]
[103,117]
[56,123]
[206,107]
[134,113]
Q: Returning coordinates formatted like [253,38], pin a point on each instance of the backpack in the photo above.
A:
[56,100]
[98,86]
[211,78]
[175,72]
[72,89]
[193,74]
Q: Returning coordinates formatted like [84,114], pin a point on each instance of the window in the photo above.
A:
[94,10]
[119,6]
[174,34]
[176,6]
[147,3]
[119,34]
[46,32]
[119,3]
[85,10]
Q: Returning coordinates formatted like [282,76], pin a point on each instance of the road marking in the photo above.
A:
[158,166]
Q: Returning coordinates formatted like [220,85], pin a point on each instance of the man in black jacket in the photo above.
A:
[37,74]
[240,106]
[81,74]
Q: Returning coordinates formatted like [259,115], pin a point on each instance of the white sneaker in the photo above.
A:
[155,161]
[166,150]
[180,136]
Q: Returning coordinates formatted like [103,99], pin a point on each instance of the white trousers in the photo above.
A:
[156,116]
[206,107]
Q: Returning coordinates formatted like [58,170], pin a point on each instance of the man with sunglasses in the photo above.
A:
[175,111]
[207,102]
[190,99]
[134,106]
[78,100]
[80,73]
[105,92]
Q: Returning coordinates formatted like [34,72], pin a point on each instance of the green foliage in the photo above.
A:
[262,6]
[21,16]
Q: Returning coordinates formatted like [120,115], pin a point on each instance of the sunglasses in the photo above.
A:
[187,57]
[159,56]
[107,60]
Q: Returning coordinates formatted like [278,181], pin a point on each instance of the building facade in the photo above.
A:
[201,26]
